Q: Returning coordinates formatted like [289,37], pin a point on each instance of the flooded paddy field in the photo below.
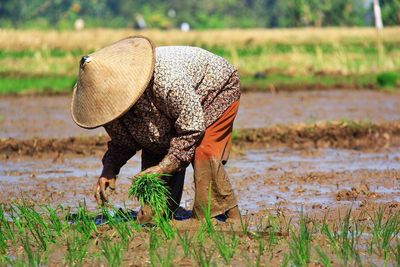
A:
[280,190]
[265,180]
[25,117]
[294,184]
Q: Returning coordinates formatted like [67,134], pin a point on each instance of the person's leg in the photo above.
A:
[175,184]
[212,185]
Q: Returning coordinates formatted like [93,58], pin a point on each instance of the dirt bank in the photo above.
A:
[351,135]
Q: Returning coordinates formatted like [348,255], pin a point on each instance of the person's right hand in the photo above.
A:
[100,189]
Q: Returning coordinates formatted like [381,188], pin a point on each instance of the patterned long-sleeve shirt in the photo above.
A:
[190,89]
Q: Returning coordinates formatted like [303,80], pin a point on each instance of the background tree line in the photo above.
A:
[200,14]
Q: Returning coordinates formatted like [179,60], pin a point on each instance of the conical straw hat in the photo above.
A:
[111,80]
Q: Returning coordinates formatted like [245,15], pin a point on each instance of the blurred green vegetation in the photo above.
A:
[267,59]
[269,66]
[31,84]
[388,79]
[64,84]
[200,14]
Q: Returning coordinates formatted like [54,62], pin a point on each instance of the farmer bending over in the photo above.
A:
[177,104]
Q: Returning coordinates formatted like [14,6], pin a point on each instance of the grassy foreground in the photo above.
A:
[267,59]
[37,236]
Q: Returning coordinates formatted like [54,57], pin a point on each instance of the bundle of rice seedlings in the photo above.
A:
[149,189]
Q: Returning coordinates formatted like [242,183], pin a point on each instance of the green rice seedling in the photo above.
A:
[300,244]
[165,226]
[121,226]
[56,224]
[200,235]
[343,241]
[244,223]
[261,244]
[185,240]
[6,232]
[155,240]
[396,253]
[323,258]
[19,261]
[260,251]
[112,252]
[4,259]
[33,258]
[383,233]
[154,244]
[166,258]
[207,225]
[272,228]
[5,225]
[84,224]
[77,245]
[226,247]
[203,256]
[3,244]
[135,226]
[34,222]
[285,261]
[17,224]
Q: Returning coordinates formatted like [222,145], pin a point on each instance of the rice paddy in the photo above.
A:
[37,236]
[333,153]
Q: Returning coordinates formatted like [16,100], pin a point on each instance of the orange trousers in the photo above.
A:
[210,178]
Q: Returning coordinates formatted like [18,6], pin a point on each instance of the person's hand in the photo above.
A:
[153,170]
[166,166]
[100,189]
[145,215]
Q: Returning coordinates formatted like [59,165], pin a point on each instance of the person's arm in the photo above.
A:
[182,104]
[120,149]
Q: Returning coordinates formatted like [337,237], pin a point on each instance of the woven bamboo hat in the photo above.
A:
[111,80]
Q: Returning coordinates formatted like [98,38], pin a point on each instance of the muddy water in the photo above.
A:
[272,179]
[314,178]
[263,109]
[48,116]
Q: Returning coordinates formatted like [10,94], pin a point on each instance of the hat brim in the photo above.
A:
[112,81]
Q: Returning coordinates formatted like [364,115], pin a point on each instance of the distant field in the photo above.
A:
[267,59]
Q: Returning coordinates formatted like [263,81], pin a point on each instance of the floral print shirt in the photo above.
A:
[190,89]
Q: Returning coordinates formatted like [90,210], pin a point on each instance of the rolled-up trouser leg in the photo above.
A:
[212,185]
[174,182]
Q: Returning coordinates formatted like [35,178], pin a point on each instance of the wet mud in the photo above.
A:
[273,180]
[292,151]
[259,110]
[26,117]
